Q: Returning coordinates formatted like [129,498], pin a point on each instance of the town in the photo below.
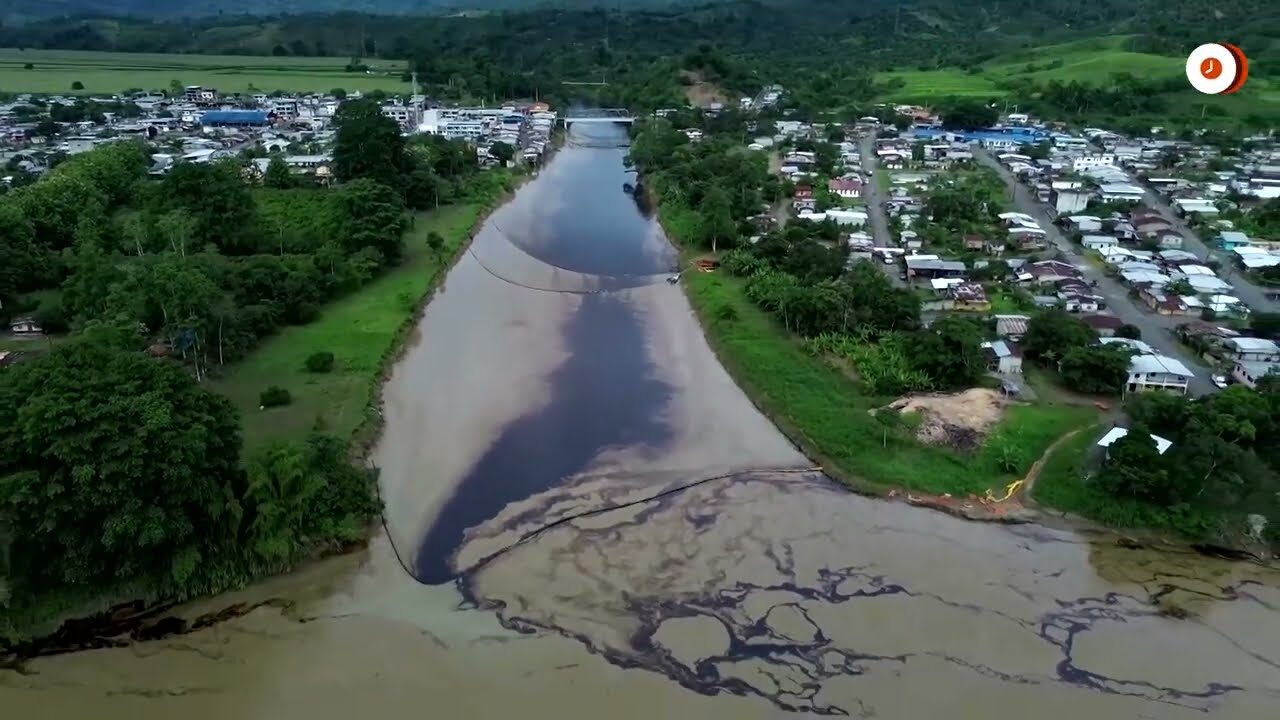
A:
[1122,232]
[197,124]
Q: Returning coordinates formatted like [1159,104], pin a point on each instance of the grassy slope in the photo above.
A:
[104,72]
[827,413]
[1089,61]
[357,329]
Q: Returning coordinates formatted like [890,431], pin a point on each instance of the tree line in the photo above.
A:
[119,472]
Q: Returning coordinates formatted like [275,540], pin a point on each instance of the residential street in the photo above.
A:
[871,192]
[1157,330]
[1251,294]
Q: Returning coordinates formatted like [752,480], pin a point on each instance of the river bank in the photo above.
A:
[595,520]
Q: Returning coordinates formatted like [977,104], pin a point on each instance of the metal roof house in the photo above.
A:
[235,118]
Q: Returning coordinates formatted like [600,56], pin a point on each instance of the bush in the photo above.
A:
[274,396]
[320,362]
[77,85]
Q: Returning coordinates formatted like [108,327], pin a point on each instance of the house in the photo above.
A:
[1115,433]
[25,325]
[1195,206]
[1136,346]
[1096,242]
[235,118]
[1052,271]
[845,188]
[1068,196]
[974,242]
[931,266]
[1121,192]
[1229,240]
[1164,303]
[1249,349]
[969,296]
[1083,223]
[1003,357]
[847,216]
[1157,372]
[1105,325]
[1249,373]
[1012,327]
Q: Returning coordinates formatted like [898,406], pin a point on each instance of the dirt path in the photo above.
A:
[1033,473]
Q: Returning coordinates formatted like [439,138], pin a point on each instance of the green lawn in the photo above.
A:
[357,329]
[827,413]
[923,84]
[54,71]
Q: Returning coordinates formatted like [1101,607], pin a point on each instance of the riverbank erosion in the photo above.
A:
[586,517]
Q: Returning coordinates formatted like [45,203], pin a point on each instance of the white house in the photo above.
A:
[1096,242]
[1068,196]
[1115,433]
[1157,372]
[1087,162]
[1248,349]
[847,216]
[1249,373]
[1121,192]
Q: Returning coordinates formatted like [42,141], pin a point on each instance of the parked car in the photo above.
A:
[1220,381]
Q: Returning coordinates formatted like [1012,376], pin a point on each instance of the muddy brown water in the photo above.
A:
[586,518]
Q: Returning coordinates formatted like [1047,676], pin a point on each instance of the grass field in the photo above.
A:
[828,413]
[53,71]
[1091,61]
[357,329]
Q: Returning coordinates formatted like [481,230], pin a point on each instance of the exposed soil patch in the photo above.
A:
[960,421]
[699,92]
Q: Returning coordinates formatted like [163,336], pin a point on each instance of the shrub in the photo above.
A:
[274,396]
[320,362]
[77,85]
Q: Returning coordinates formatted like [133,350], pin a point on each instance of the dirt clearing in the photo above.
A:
[961,420]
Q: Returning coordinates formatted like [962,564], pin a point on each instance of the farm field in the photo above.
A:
[54,71]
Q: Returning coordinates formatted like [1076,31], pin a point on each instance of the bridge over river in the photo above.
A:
[598,115]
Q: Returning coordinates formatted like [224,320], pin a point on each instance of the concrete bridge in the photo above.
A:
[598,115]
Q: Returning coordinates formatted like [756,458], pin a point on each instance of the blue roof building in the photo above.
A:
[1020,135]
[235,118]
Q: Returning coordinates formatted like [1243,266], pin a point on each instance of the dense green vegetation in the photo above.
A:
[1220,467]
[826,53]
[118,459]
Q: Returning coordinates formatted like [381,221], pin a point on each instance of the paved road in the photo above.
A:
[1157,330]
[874,197]
[1251,294]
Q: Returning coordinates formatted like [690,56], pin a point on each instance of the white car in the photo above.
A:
[1220,381]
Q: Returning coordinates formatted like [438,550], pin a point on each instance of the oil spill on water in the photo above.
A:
[604,395]
[758,570]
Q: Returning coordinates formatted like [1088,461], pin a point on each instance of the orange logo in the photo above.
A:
[1217,68]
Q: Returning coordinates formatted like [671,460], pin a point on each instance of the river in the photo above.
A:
[586,518]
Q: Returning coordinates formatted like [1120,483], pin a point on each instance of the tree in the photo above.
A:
[435,241]
[969,115]
[47,128]
[716,218]
[367,144]
[373,217]
[1180,287]
[277,174]
[77,85]
[1132,332]
[320,362]
[502,152]
[1099,369]
[1266,324]
[1134,468]
[219,204]
[1052,333]
[119,466]
[949,351]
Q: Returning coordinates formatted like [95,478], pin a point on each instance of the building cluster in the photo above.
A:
[198,124]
